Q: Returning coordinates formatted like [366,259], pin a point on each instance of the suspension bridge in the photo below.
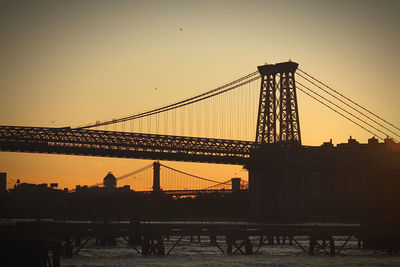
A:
[157,177]
[214,127]
[217,126]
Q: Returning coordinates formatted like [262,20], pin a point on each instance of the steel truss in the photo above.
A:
[278,116]
[123,145]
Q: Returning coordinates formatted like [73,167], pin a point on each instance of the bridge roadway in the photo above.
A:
[123,145]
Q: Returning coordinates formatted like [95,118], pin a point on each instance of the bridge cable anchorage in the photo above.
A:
[348,99]
[219,90]
[194,176]
[341,114]
[351,114]
[350,106]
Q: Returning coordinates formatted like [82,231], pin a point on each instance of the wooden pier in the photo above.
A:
[31,242]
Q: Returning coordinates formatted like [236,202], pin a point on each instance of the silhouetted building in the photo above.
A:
[349,181]
[110,181]
[3,182]
[34,201]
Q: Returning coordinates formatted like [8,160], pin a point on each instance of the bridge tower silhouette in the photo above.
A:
[156,177]
[278,129]
[278,105]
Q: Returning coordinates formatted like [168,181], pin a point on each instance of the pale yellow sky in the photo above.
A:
[75,62]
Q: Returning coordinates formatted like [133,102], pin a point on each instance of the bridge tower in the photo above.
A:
[278,116]
[156,176]
[275,171]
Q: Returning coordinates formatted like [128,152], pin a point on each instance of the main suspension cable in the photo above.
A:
[127,175]
[349,106]
[150,113]
[341,114]
[348,99]
[194,176]
[134,172]
[215,185]
[194,99]
[351,114]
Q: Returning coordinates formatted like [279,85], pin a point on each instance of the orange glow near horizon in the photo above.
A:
[71,63]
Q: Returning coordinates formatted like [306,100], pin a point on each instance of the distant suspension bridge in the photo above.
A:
[157,177]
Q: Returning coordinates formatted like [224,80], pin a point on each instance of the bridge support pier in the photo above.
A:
[315,246]
[229,245]
[55,248]
[68,249]
[248,247]
[277,185]
[213,239]
[153,245]
[233,246]
[77,240]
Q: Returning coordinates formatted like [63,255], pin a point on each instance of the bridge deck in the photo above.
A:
[123,145]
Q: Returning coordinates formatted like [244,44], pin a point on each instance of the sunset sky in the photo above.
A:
[74,62]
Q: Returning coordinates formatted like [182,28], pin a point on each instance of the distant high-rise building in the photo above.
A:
[3,182]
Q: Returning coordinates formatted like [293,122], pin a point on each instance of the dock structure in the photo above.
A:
[34,240]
